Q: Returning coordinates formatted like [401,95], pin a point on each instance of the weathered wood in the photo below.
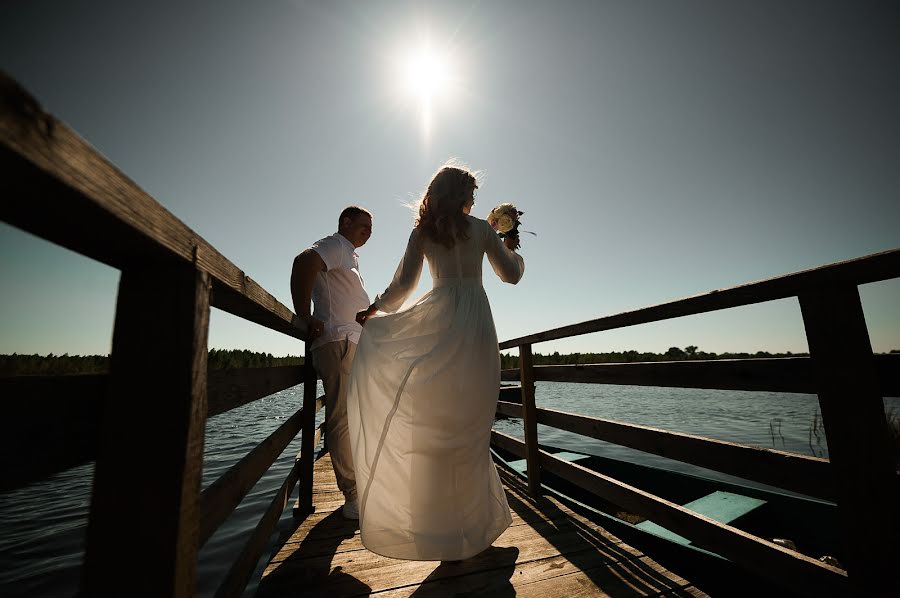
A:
[791,471]
[150,453]
[307,443]
[49,424]
[870,268]
[220,499]
[229,389]
[787,568]
[529,418]
[858,440]
[48,168]
[785,374]
[240,572]
[302,508]
[325,557]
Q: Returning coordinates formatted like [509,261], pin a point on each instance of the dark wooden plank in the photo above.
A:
[529,419]
[239,574]
[150,454]
[858,440]
[870,268]
[512,394]
[808,475]
[229,389]
[304,504]
[221,497]
[786,374]
[49,424]
[48,169]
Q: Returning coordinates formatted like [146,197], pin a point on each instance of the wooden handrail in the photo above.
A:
[60,415]
[807,475]
[870,268]
[49,169]
[782,374]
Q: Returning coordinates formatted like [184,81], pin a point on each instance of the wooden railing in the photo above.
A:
[143,424]
[842,370]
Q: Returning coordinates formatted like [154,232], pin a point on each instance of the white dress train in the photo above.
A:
[421,403]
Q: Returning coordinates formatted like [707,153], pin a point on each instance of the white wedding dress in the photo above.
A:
[421,403]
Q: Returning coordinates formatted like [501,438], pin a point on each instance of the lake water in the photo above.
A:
[43,525]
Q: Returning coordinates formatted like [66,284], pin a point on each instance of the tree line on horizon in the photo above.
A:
[226,359]
[50,365]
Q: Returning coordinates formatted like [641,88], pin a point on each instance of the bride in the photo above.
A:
[424,386]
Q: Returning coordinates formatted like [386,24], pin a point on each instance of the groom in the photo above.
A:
[328,274]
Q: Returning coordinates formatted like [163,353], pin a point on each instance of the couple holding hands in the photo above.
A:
[411,397]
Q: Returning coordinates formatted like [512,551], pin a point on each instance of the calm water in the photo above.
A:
[43,525]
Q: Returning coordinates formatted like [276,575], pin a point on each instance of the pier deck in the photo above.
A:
[547,551]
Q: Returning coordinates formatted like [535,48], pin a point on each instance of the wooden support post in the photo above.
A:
[529,414]
[856,429]
[304,505]
[143,530]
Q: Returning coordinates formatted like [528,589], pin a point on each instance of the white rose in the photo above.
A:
[505,223]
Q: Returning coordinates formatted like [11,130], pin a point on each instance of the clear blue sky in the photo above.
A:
[659,149]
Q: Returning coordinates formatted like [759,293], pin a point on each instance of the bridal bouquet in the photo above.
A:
[505,220]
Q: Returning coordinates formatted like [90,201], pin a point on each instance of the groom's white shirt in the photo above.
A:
[339,293]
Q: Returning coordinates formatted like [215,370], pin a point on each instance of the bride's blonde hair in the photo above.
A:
[441,218]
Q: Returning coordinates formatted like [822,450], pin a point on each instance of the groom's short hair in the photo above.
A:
[352,212]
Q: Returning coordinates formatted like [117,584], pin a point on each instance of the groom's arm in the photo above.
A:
[306,267]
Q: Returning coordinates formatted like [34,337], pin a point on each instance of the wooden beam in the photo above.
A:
[229,389]
[239,574]
[48,169]
[529,418]
[150,453]
[791,471]
[307,443]
[781,374]
[858,441]
[871,268]
[221,497]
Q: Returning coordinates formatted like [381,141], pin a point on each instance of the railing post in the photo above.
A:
[856,429]
[142,535]
[304,504]
[529,415]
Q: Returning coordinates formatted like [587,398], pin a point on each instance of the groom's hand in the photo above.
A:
[365,314]
[315,326]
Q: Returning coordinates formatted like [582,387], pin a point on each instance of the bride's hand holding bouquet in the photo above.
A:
[505,220]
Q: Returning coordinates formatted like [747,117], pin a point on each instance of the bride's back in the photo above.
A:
[442,262]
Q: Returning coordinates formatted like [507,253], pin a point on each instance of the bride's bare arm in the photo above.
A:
[406,278]
[507,264]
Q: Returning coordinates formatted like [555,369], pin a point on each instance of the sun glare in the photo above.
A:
[427,74]
[426,77]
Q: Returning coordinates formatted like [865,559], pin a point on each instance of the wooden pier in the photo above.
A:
[547,551]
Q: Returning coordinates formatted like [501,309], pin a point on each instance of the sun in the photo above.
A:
[427,74]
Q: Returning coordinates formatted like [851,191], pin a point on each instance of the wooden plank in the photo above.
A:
[48,169]
[512,394]
[239,574]
[858,440]
[799,473]
[304,504]
[529,419]
[49,424]
[229,389]
[221,497]
[779,565]
[150,457]
[870,268]
[783,374]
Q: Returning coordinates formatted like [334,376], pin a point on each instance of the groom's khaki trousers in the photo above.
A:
[333,362]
